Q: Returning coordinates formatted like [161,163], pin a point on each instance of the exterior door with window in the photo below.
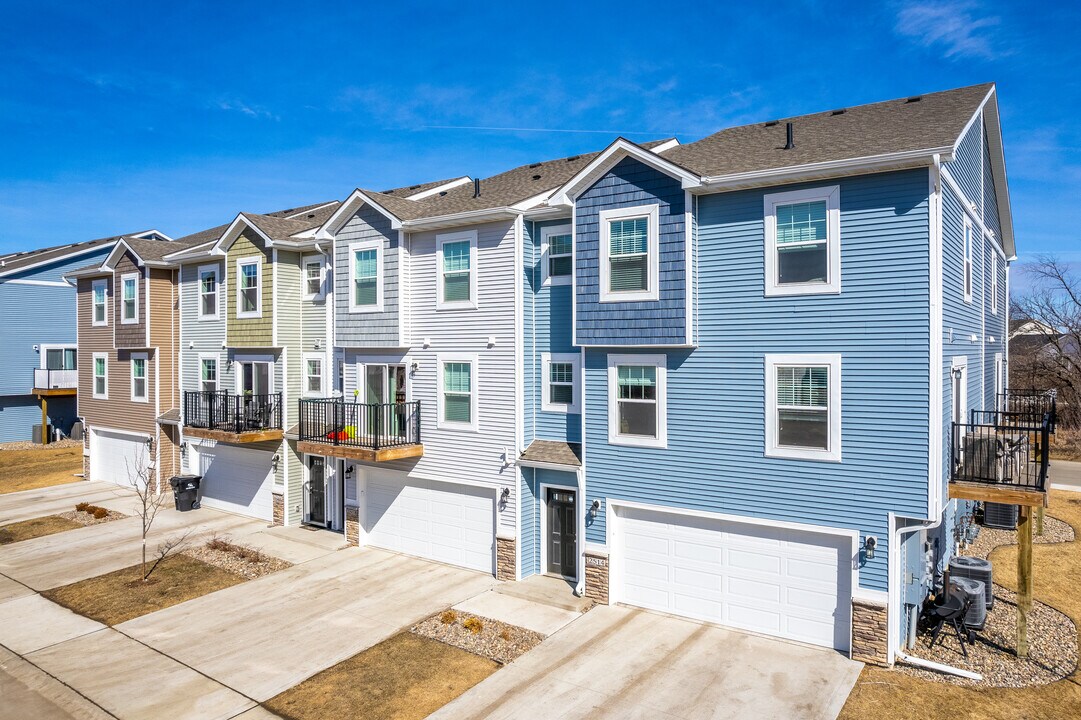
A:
[562,547]
[317,492]
[255,387]
[383,385]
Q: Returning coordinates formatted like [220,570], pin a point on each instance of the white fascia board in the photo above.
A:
[667,145]
[615,152]
[142,235]
[440,188]
[998,174]
[118,252]
[198,252]
[533,202]
[822,170]
[356,200]
[233,232]
[470,217]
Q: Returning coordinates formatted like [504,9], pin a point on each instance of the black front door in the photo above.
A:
[317,491]
[562,533]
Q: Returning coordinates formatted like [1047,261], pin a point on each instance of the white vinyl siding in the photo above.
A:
[249,294]
[457,270]
[366,276]
[803,241]
[629,248]
[637,400]
[208,292]
[129,298]
[99,288]
[803,407]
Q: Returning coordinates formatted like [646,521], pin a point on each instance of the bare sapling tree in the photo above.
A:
[1052,309]
[152,497]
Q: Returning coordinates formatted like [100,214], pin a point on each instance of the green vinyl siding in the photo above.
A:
[249,332]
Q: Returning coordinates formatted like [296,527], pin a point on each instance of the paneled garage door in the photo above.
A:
[236,480]
[776,581]
[446,522]
[117,457]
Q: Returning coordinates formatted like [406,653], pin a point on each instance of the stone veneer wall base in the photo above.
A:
[597,577]
[506,558]
[352,525]
[870,632]
[278,500]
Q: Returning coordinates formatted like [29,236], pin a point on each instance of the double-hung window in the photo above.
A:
[803,242]
[98,294]
[208,292]
[101,376]
[560,385]
[456,256]
[803,406]
[313,374]
[557,255]
[138,377]
[366,276]
[994,283]
[313,277]
[629,252]
[249,294]
[129,298]
[637,400]
[457,391]
[208,374]
[968,261]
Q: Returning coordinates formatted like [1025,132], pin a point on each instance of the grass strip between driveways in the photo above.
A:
[119,596]
[886,695]
[35,528]
[33,469]
[406,677]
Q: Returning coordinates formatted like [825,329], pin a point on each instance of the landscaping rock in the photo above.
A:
[496,641]
[1054,531]
[85,518]
[243,561]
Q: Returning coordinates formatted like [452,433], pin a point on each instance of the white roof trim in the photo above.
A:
[533,202]
[615,152]
[113,257]
[233,232]
[50,261]
[666,145]
[356,200]
[462,218]
[142,235]
[998,172]
[440,188]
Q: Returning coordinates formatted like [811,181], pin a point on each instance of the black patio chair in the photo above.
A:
[951,612]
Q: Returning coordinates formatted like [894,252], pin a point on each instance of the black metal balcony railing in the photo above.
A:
[1004,448]
[56,379]
[1031,401]
[221,410]
[374,426]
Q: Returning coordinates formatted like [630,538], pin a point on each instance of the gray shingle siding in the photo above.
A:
[368,330]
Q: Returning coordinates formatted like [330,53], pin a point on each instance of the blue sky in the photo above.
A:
[122,116]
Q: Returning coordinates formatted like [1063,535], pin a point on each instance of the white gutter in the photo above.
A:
[497,213]
[938,667]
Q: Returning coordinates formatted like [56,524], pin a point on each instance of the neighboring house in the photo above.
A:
[128,322]
[39,338]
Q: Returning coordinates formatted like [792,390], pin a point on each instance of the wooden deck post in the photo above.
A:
[1039,521]
[1024,578]
[44,420]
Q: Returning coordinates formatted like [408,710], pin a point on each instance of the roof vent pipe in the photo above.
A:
[476,187]
[789,143]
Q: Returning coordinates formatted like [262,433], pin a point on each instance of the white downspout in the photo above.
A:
[580,586]
[938,667]
[892,633]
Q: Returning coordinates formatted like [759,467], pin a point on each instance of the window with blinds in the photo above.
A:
[637,400]
[365,277]
[314,376]
[560,253]
[628,255]
[803,394]
[457,392]
[60,359]
[457,273]
[802,243]
[561,383]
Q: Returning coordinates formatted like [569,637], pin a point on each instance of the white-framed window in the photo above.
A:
[457,379]
[803,241]
[630,254]
[638,400]
[366,276]
[59,357]
[129,298]
[99,292]
[557,255]
[967,280]
[101,376]
[249,296]
[339,376]
[208,292]
[803,406]
[208,373]
[138,377]
[560,382]
[994,283]
[456,265]
[313,374]
[314,268]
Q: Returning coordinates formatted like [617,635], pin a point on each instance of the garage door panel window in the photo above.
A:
[637,402]
[458,393]
[803,398]
[138,378]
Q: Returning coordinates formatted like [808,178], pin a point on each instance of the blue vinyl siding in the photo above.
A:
[990,197]
[967,165]
[530,284]
[879,324]
[662,322]
[532,512]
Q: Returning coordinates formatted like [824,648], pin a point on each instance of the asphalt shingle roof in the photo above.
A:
[550,451]
[19,261]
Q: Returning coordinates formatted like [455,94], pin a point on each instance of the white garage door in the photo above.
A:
[446,522]
[236,480]
[775,581]
[117,457]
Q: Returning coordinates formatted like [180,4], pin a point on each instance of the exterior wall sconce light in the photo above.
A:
[957,373]
[869,544]
[595,508]
[274,462]
[504,495]
[491,341]
[415,367]
[427,342]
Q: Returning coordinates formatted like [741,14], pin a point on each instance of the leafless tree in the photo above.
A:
[152,497]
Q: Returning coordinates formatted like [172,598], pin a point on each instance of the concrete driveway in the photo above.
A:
[616,662]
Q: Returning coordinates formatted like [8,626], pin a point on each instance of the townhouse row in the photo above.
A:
[715,379]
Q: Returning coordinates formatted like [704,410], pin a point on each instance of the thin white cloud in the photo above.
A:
[245,109]
[957,29]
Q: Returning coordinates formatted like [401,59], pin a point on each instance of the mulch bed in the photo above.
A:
[85,518]
[496,640]
[239,559]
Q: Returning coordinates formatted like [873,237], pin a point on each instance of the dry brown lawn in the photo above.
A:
[38,527]
[1067,444]
[406,677]
[885,695]
[119,596]
[33,469]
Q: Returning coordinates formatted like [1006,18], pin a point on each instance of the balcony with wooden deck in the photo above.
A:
[55,383]
[224,417]
[370,432]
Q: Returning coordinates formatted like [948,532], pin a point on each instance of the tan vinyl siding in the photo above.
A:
[131,335]
[165,333]
[249,332]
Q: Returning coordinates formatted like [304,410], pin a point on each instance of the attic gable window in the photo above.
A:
[629,248]
[129,298]
[249,294]
[803,243]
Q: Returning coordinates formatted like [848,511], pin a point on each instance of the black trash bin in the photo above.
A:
[186,491]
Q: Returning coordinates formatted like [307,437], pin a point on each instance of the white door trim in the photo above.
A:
[542,490]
